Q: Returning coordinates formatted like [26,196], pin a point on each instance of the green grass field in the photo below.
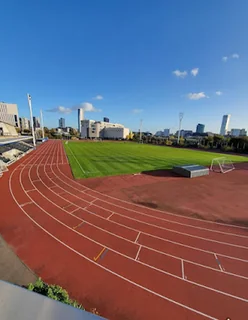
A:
[98,159]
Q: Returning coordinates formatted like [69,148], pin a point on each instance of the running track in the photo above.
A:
[132,262]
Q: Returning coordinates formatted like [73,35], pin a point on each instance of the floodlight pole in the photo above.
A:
[180,124]
[140,128]
[42,124]
[31,118]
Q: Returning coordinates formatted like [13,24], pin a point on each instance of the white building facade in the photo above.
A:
[225,124]
[238,132]
[24,123]
[99,129]
[9,114]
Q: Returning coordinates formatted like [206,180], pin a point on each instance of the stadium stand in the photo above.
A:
[12,150]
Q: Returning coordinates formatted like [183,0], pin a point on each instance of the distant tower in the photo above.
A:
[80,118]
[225,124]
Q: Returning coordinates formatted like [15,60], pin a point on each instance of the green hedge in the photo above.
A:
[54,292]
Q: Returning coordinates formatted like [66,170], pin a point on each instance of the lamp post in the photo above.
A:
[180,125]
[31,117]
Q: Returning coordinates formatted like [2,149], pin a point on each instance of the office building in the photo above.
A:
[159,133]
[166,132]
[105,119]
[225,124]
[62,123]
[24,124]
[100,129]
[238,132]
[200,128]
[185,133]
[243,133]
[36,123]
[80,118]
[9,114]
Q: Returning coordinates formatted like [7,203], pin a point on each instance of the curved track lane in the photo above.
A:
[133,262]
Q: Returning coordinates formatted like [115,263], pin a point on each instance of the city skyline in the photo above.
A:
[130,67]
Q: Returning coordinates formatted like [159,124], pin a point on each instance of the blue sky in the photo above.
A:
[68,52]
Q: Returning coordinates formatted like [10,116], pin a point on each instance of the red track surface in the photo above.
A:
[154,265]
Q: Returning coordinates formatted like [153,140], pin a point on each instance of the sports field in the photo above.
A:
[98,159]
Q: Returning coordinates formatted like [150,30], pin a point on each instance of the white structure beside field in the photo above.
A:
[105,130]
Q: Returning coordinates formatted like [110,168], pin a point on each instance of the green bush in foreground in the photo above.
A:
[54,292]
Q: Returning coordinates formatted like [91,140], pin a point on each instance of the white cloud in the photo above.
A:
[88,107]
[60,109]
[219,93]
[98,97]
[232,56]
[197,96]
[195,72]
[180,74]
[136,111]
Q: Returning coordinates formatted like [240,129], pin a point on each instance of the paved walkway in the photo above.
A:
[12,269]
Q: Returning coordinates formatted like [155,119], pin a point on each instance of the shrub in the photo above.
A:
[226,149]
[54,292]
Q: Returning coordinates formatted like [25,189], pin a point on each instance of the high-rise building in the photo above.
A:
[9,114]
[36,123]
[166,132]
[24,124]
[62,123]
[105,119]
[200,128]
[80,118]
[225,124]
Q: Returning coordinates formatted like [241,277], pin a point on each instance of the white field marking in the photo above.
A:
[218,262]
[166,212]
[77,161]
[75,210]
[151,216]
[217,270]
[55,186]
[36,180]
[180,258]
[106,269]
[132,259]
[26,203]
[137,237]
[30,190]
[137,255]
[163,239]
[111,215]
[182,265]
[150,224]
[67,206]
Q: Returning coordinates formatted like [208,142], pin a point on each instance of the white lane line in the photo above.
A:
[36,180]
[111,215]
[163,239]
[137,237]
[154,225]
[75,210]
[224,293]
[218,262]
[137,255]
[182,265]
[110,271]
[30,190]
[26,203]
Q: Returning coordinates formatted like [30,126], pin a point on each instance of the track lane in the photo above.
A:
[28,207]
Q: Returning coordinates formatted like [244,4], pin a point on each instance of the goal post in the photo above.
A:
[222,164]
